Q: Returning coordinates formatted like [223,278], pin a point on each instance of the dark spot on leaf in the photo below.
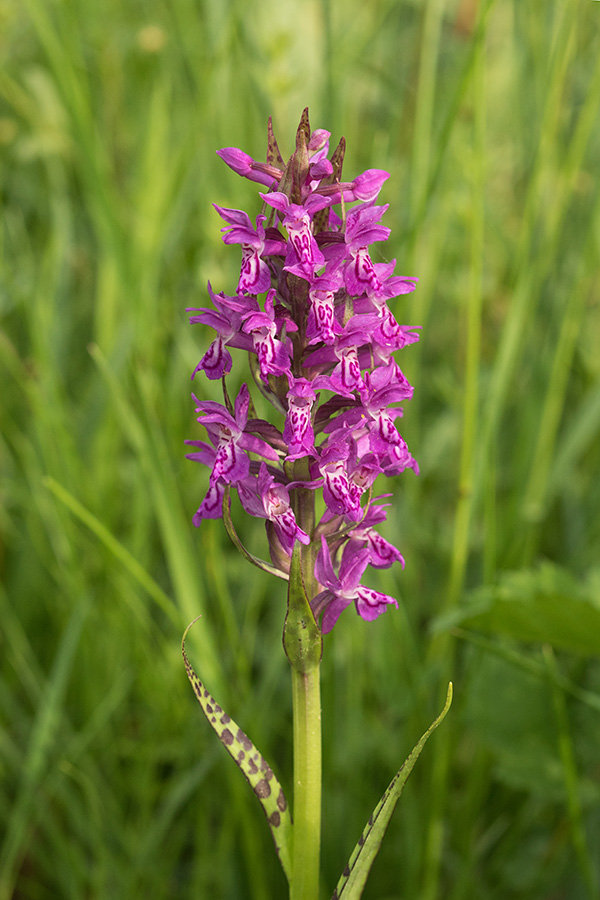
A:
[241,755]
[346,872]
[225,719]
[281,801]
[218,708]
[227,737]
[213,720]
[266,769]
[206,694]
[262,789]
[198,690]
[361,840]
[334,895]
[209,708]
[252,767]
[371,820]
[244,740]
[274,819]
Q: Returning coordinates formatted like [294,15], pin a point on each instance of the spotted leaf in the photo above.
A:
[254,766]
[354,877]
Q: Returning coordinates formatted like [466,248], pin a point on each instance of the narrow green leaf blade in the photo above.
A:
[254,766]
[354,877]
[135,569]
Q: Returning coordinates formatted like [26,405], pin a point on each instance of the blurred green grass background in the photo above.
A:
[486,114]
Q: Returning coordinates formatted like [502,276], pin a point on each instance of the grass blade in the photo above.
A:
[354,877]
[116,547]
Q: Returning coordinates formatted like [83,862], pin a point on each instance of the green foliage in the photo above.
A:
[486,115]
[354,877]
[542,605]
[256,769]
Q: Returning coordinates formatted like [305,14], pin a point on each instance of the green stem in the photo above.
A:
[307,784]
[303,645]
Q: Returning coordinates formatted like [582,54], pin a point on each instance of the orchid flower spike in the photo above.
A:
[312,311]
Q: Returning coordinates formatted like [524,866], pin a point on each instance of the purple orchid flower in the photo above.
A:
[374,417]
[341,496]
[231,441]
[212,505]
[255,277]
[244,165]
[322,325]
[345,588]
[298,432]
[365,187]
[273,355]
[226,321]
[265,498]
[303,256]
[382,554]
